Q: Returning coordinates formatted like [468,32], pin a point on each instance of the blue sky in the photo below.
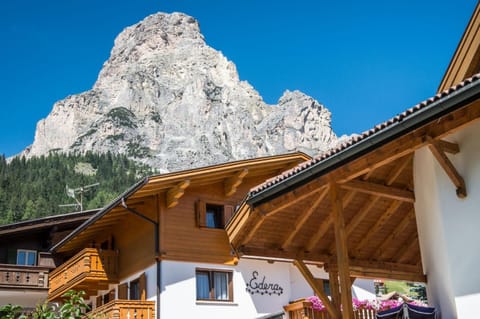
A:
[364,60]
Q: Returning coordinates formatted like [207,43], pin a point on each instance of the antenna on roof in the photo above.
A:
[73,192]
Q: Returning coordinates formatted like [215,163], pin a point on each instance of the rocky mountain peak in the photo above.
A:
[164,97]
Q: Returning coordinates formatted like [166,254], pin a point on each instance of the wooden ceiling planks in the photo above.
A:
[303,218]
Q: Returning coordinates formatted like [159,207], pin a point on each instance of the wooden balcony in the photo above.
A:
[23,277]
[125,309]
[303,310]
[90,270]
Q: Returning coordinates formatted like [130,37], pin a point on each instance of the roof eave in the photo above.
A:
[100,214]
[433,111]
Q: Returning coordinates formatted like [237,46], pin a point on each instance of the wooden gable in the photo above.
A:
[169,201]
[466,60]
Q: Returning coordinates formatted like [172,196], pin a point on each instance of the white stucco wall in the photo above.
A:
[179,292]
[449,227]
[179,289]
[23,298]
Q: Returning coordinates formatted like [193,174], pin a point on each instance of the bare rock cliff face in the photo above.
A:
[166,98]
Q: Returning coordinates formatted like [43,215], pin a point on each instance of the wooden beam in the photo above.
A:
[256,225]
[231,184]
[318,291]
[325,225]
[406,250]
[359,216]
[448,167]
[284,255]
[448,147]
[303,219]
[342,252]
[381,250]
[175,193]
[394,173]
[334,289]
[409,143]
[380,190]
[287,200]
[382,270]
[378,225]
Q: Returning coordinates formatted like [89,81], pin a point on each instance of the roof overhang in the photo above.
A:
[173,185]
[292,216]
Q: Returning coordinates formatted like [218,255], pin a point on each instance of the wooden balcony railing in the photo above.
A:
[90,270]
[24,277]
[125,309]
[303,310]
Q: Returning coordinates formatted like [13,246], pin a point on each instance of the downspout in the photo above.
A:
[157,250]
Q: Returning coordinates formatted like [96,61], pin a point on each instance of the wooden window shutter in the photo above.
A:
[201,213]
[111,295]
[99,301]
[230,286]
[227,214]
[142,286]
[123,291]
[11,256]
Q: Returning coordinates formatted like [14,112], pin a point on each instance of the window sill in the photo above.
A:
[216,303]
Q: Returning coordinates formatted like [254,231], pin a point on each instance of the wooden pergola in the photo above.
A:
[352,210]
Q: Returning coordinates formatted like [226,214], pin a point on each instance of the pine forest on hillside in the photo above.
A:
[37,187]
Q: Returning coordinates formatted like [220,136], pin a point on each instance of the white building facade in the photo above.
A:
[448,226]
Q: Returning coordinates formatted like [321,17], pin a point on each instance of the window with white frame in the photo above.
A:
[214,285]
[26,257]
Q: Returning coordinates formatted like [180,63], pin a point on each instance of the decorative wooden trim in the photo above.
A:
[342,252]
[447,166]
[303,219]
[380,190]
[175,193]
[231,184]
[317,289]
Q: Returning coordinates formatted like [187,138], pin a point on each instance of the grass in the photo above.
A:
[399,286]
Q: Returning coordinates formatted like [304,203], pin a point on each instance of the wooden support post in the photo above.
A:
[334,288]
[306,273]
[342,252]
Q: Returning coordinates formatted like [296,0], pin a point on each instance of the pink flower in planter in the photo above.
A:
[317,304]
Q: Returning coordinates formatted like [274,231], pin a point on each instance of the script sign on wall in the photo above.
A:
[259,285]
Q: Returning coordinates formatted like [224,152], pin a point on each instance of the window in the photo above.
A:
[137,288]
[26,257]
[212,215]
[326,287]
[214,285]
